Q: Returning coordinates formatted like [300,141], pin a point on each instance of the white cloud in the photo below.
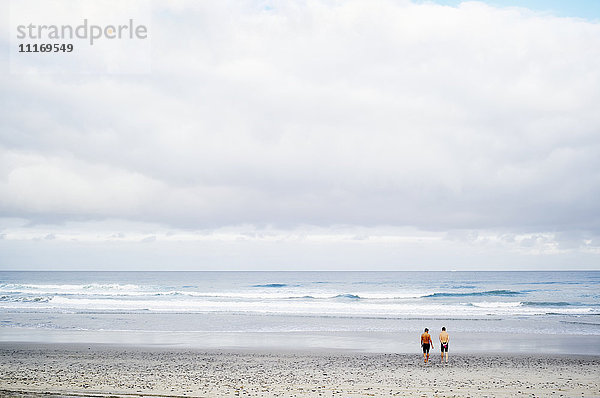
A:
[323,114]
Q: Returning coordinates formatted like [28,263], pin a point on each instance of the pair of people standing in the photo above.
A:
[427,343]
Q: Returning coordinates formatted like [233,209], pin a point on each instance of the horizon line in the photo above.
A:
[293,270]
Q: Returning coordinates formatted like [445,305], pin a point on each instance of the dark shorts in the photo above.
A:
[426,348]
[444,347]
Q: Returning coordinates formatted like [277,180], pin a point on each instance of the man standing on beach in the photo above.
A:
[444,339]
[426,343]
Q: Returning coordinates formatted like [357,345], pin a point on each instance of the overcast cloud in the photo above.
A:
[317,134]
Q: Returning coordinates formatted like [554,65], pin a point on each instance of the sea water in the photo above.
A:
[356,310]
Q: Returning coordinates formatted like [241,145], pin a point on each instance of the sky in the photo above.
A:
[309,135]
[585,9]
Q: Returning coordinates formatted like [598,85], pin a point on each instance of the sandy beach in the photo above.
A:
[103,370]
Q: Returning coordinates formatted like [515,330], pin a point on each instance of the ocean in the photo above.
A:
[368,311]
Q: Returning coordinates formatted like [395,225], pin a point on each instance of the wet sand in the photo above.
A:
[34,370]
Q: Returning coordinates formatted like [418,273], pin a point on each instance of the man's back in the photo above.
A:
[425,338]
[444,336]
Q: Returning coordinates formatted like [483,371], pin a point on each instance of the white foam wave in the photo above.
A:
[296,294]
[393,295]
[497,304]
[82,289]
[347,308]
[117,290]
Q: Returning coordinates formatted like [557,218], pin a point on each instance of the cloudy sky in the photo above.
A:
[319,134]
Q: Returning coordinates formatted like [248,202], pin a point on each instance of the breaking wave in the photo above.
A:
[477,294]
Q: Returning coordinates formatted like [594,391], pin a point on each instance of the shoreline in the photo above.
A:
[159,348]
[398,342]
[115,370]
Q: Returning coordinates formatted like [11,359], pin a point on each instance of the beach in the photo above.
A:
[109,370]
[298,334]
